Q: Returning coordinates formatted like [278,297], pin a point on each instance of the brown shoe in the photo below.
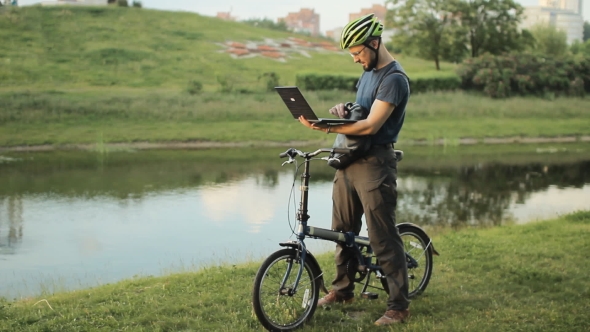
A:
[393,317]
[332,297]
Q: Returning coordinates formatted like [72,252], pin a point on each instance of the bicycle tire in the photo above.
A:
[416,244]
[274,307]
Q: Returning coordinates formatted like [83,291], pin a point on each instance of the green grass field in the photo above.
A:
[511,278]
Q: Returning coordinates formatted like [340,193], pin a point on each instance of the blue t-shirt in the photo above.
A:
[389,87]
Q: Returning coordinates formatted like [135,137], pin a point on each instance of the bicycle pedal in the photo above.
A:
[369,295]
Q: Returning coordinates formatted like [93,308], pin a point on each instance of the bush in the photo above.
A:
[122,3]
[336,82]
[526,74]
[137,4]
[226,83]
[326,82]
[435,83]
[194,87]
[272,80]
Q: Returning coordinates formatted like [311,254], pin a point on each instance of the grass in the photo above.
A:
[512,278]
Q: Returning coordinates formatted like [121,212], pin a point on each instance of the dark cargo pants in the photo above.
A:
[369,186]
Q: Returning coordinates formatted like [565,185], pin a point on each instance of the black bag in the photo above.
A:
[359,145]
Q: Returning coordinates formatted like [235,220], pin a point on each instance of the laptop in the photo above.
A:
[298,106]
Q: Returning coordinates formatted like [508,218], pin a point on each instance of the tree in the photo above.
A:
[549,40]
[586,31]
[267,24]
[490,25]
[425,28]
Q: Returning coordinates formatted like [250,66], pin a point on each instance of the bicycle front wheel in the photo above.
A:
[278,305]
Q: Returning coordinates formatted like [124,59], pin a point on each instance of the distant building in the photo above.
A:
[305,21]
[573,5]
[334,33]
[226,16]
[379,10]
[565,15]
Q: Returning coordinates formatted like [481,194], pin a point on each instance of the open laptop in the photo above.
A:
[298,106]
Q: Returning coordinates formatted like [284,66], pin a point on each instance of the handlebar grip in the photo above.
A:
[342,150]
[286,153]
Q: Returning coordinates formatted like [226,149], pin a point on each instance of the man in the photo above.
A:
[369,184]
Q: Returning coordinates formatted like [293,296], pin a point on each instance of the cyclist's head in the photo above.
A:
[361,31]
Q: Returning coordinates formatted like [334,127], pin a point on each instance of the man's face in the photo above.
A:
[365,56]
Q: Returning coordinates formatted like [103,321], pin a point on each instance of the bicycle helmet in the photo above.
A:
[358,31]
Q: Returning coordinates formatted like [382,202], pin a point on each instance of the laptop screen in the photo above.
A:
[295,102]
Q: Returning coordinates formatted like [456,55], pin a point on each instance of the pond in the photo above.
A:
[70,220]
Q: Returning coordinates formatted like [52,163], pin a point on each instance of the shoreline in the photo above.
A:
[145,145]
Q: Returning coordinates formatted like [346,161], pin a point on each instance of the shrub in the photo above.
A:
[194,87]
[526,74]
[434,83]
[272,80]
[122,3]
[326,82]
[338,82]
[137,4]
[226,83]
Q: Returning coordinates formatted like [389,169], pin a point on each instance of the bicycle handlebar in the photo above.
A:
[292,153]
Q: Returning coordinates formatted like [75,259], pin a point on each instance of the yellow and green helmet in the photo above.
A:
[358,31]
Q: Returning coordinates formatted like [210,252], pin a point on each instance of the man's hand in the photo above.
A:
[340,111]
[313,126]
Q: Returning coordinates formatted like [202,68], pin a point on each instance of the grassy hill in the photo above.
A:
[82,47]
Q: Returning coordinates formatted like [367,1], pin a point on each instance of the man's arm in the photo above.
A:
[380,112]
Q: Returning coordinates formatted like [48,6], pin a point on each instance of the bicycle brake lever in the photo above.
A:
[290,161]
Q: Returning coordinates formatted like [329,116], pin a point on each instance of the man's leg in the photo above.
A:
[346,216]
[379,197]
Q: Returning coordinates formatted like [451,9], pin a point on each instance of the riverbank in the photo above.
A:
[498,279]
[268,144]
[41,120]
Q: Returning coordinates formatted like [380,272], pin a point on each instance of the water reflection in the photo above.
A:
[482,194]
[14,225]
[70,220]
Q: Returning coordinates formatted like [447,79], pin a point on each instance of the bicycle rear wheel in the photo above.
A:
[278,306]
[418,257]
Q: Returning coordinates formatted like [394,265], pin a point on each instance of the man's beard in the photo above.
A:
[372,64]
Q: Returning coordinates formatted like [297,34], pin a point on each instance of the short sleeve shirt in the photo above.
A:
[390,87]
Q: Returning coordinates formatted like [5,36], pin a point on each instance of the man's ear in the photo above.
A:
[374,43]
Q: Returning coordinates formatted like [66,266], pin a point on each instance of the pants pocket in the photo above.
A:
[374,192]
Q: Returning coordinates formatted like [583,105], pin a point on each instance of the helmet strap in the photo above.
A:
[376,50]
